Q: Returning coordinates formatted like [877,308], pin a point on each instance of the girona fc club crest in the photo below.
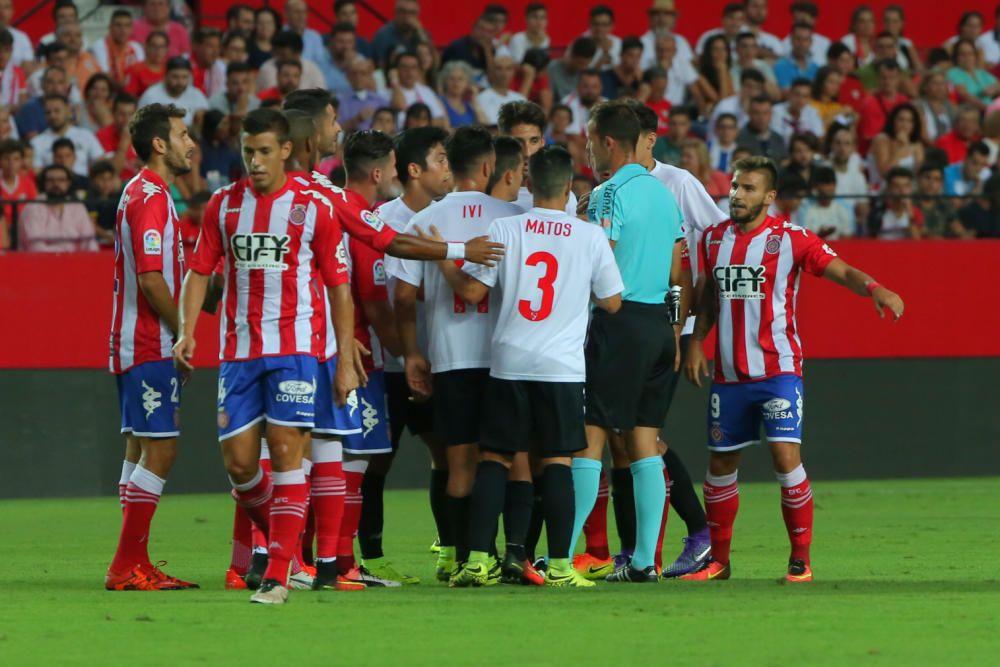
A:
[716,432]
[297,215]
[773,245]
[223,418]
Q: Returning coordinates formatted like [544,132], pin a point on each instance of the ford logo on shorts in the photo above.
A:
[298,387]
[777,405]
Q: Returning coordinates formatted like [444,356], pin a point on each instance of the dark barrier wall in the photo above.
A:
[864,419]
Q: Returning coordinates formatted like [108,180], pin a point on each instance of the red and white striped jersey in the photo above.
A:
[757,281]
[274,247]
[146,240]
[368,283]
[355,215]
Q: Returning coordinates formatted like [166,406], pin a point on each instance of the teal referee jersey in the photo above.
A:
[642,217]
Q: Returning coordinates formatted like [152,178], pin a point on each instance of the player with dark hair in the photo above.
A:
[459,333]
[554,263]
[269,353]
[149,267]
[749,286]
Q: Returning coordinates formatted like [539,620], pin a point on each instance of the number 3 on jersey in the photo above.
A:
[461,306]
[545,284]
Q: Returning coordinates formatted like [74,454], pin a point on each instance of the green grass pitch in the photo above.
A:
[906,575]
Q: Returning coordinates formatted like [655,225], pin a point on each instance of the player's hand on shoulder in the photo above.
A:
[696,365]
[885,298]
[418,376]
[481,250]
[183,353]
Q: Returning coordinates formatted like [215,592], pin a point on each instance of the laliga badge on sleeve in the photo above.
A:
[152,242]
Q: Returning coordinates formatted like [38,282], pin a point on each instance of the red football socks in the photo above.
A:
[239,560]
[595,529]
[797,510]
[287,519]
[658,556]
[722,501]
[142,494]
[352,516]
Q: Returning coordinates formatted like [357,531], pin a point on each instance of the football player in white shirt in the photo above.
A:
[526,121]
[459,333]
[554,264]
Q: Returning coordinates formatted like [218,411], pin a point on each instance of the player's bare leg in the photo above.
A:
[796,507]
[722,502]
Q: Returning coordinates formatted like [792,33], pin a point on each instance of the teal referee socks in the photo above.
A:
[586,479]
[650,494]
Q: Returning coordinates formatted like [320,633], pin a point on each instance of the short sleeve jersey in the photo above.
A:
[397,215]
[642,217]
[553,263]
[274,247]
[368,283]
[355,215]
[146,240]
[756,277]
[458,333]
[526,201]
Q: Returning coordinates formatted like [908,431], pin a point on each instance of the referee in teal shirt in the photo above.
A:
[630,355]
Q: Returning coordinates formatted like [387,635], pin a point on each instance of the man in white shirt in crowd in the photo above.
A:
[751,86]
[807,12]
[746,58]
[500,74]
[588,94]
[770,45]
[176,89]
[535,35]
[24,54]
[237,99]
[681,75]
[287,45]
[830,219]
[733,21]
[723,146]
[296,20]
[117,51]
[407,90]
[609,46]
[57,117]
[662,22]
[797,116]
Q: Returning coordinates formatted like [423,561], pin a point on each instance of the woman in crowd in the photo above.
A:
[428,60]
[840,148]
[714,81]
[458,95]
[862,36]
[906,53]
[897,145]
[97,98]
[826,96]
[803,151]
[694,158]
[973,84]
[935,106]
[234,48]
[267,22]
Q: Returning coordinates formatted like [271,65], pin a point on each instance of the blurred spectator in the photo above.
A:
[500,17]
[289,78]
[991,135]
[102,200]
[714,81]
[609,46]
[57,118]
[746,58]
[668,146]
[967,177]
[897,145]
[208,71]
[116,52]
[770,45]
[57,224]
[144,74]
[807,12]
[734,16]
[839,147]
[56,55]
[190,223]
[220,160]
[885,49]
[852,93]
[116,140]
[407,90]
[662,23]
[588,93]
[655,81]
[501,73]
[238,98]
[531,79]
[560,118]
[940,218]
[791,191]
[97,98]
[535,35]
[80,64]
[972,83]
[906,52]
[825,97]
[582,185]
[935,106]
[240,20]
[234,48]
[757,134]
[14,184]
[563,73]
[877,106]
[403,33]
[797,116]
[287,45]
[694,158]
[31,116]
[860,39]
[980,218]
[176,89]
[346,11]
[681,74]
[803,152]
[798,64]
[8,129]
[751,87]
[359,106]
[956,142]
[24,54]
[339,57]
[156,17]
[428,61]
[296,20]
[12,78]
[63,13]
[458,94]
[267,22]
[970,28]
[418,114]
[623,79]
[384,121]
[895,217]
[828,218]
[723,146]
[476,48]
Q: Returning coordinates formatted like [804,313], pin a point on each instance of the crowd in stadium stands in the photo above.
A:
[846,118]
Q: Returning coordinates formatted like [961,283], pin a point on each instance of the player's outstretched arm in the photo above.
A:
[479,250]
[696,364]
[193,292]
[418,370]
[157,293]
[862,284]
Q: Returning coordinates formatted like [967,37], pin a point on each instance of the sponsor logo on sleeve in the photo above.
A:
[152,242]
[378,272]
[372,220]
[739,281]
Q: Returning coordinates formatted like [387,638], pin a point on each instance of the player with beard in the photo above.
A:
[149,267]
[749,285]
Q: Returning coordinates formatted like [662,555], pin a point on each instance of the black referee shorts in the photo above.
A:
[459,397]
[523,412]
[630,366]
[404,413]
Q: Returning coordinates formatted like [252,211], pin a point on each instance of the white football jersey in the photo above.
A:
[553,263]
[458,332]
[526,201]
[397,215]
[698,210]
